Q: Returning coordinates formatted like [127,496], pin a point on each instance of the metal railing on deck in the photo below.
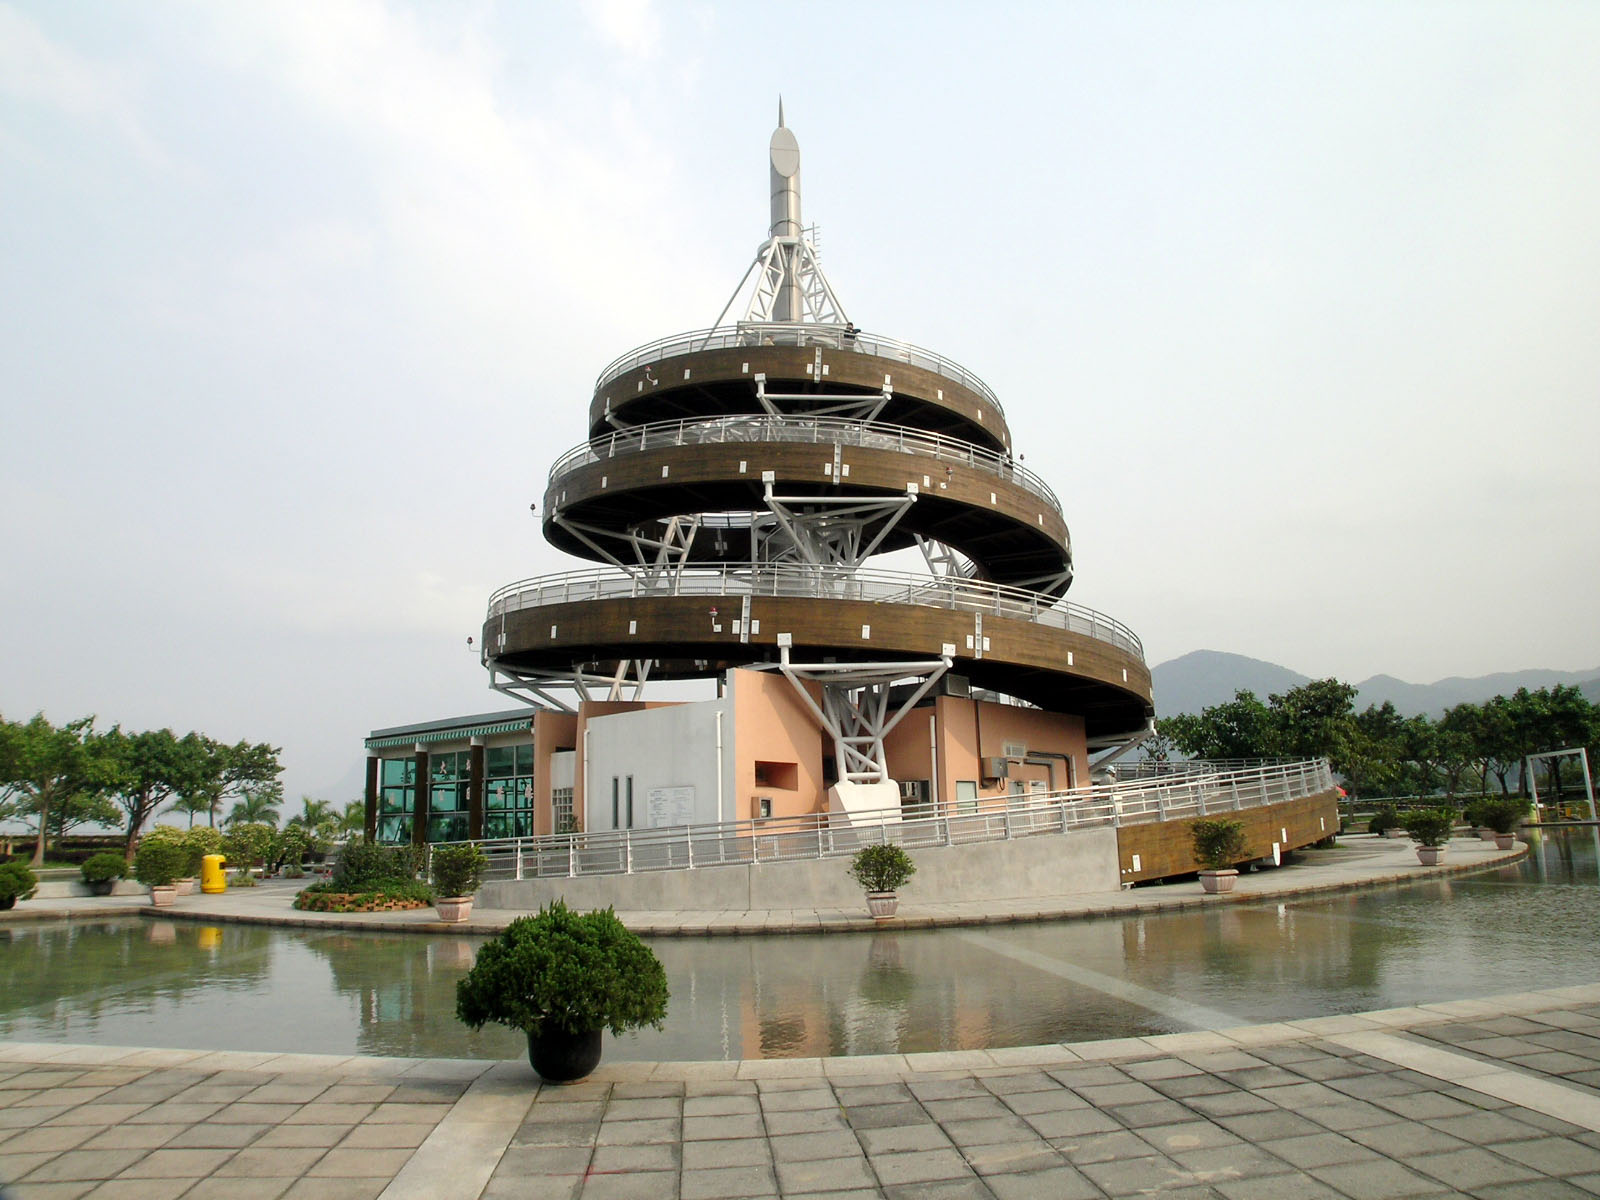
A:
[773,333]
[828,835]
[836,583]
[816,430]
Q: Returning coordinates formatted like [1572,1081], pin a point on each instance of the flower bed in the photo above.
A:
[322,897]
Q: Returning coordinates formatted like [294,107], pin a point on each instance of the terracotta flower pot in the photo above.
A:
[882,905]
[454,909]
[562,1057]
[1214,882]
[163,896]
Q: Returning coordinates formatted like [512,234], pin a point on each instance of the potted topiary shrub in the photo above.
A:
[1430,828]
[1384,818]
[457,871]
[562,978]
[101,872]
[882,870]
[1218,844]
[17,882]
[157,864]
[1502,816]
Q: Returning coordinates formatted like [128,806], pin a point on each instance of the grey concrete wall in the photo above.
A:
[1079,863]
[671,747]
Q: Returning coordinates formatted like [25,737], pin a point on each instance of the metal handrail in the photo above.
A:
[825,835]
[772,333]
[837,583]
[815,430]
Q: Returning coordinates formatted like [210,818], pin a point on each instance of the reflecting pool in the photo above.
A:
[146,982]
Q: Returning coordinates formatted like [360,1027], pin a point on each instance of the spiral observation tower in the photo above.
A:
[837,519]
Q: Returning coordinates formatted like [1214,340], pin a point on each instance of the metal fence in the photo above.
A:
[835,583]
[828,835]
[815,430]
[772,333]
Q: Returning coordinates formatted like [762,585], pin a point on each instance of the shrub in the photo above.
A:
[160,861]
[1384,818]
[248,843]
[104,867]
[882,868]
[201,841]
[564,971]
[364,864]
[1219,843]
[17,882]
[1502,815]
[289,846]
[458,870]
[1429,826]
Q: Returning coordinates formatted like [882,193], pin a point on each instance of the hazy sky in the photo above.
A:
[1296,306]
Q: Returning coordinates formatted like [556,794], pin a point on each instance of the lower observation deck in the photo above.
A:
[1062,657]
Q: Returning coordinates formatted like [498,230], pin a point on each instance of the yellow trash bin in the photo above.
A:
[212,880]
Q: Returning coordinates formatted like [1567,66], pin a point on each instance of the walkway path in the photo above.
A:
[1489,1098]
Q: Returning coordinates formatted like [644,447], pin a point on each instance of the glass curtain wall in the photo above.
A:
[448,774]
[508,783]
[397,800]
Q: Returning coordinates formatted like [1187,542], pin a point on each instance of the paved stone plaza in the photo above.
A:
[1497,1097]
[1479,1098]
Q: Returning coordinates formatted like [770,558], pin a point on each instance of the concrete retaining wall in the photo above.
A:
[1079,863]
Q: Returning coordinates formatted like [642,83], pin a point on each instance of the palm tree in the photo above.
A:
[257,804]
[354,818]
[312,813]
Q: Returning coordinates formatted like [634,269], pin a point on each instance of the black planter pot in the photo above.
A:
[562,1057]
[102,887]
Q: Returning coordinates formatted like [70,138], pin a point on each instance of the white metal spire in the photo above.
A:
[790,286]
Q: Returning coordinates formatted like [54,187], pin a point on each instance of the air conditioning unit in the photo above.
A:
[957,685]
[994,768]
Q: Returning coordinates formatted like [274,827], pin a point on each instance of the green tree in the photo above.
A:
[353,820]
[51,774]
[258,804]
[1240,728]
[153,768]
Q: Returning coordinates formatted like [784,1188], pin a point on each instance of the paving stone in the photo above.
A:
[134,1137]
[559,1133]
[940,1189]
[1229,1104]
[544,1161]
[648,1090]
[360,1163]
[1077,1122]
[883,1116]
[638,1110]
[1541,1189]
[1160,1068]
[824,1175]
[386,1137]
[659,1156]
[1483,1128]
[1230,1162]
[726,1126]
[1318,1150]
[1469,1169]
[261,1187]
[634,1133]
[77,1164]
[548,1112]
[919,1166]
[49,1138]
[1187,1135]
[1106,1095]
[723,1182]
[141,1189]
[1420,1106]
[1157,1112]
[1057,1100]
[98,1113]
[970,1108]
[1381,1180]
[1552,1156]
[301,1136]
[733,1152]
[926,1136]
[1010,1158]
[1401,1139]
[1254,1079]
[1200,1083]
[816,1120]
[1019,1081]
[1275,1187]
[165,1163]
[1056,1183]
[1098,1147]
[808,1147]
[336,1189]
[278,1161]
[1265,1126]
[1351,1114]
[798,1099]
[1135,1176]
[989,1131]
[716,1106]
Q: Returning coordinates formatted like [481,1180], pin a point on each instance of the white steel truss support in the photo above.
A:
[856,711]
[832,531]
[824,404]
[946,562]
[783,261]
[1119,744]
[654,558]
[536,687]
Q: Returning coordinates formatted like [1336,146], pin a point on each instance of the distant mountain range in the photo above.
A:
[1207,677]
